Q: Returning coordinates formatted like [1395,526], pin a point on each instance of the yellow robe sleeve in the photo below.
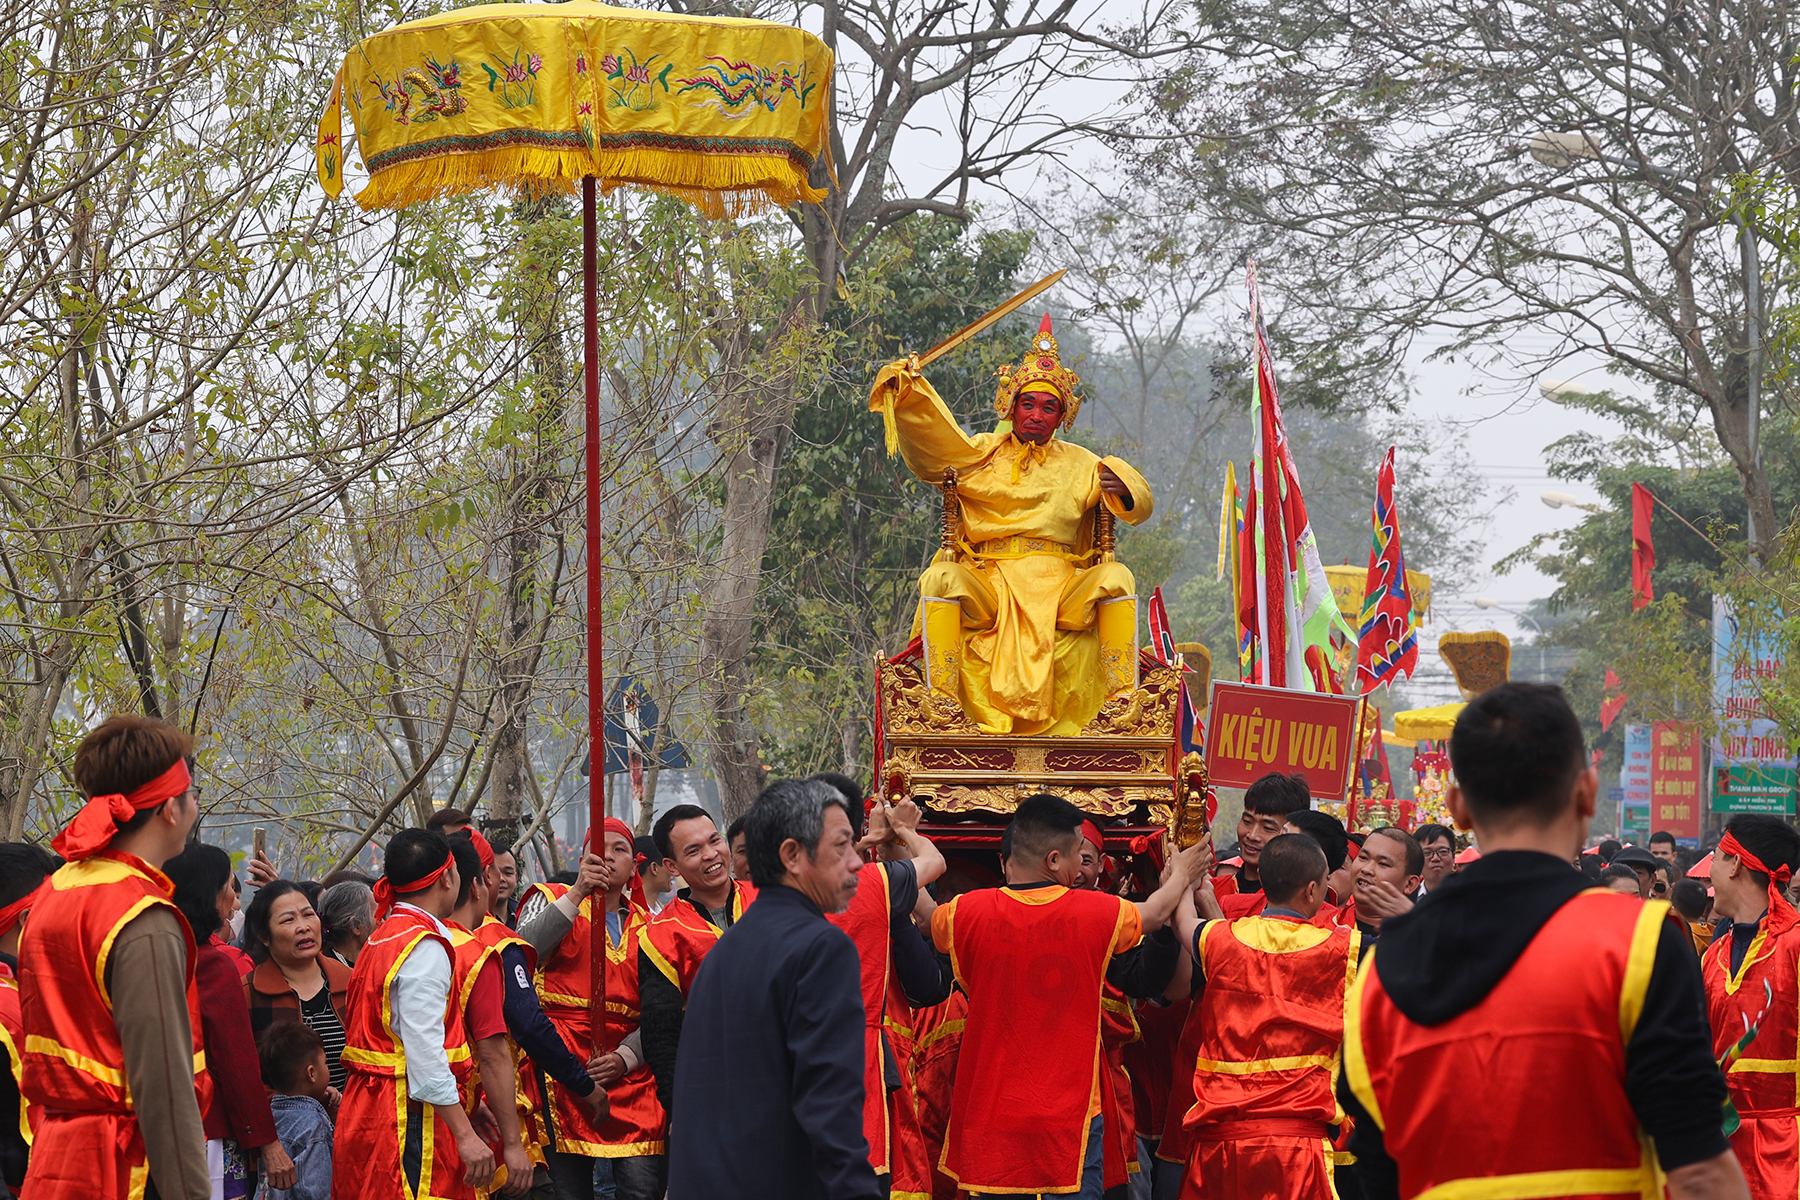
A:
[1143,504]
[920,426]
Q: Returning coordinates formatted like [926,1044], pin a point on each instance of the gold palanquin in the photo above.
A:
[1122,763]
[730,114]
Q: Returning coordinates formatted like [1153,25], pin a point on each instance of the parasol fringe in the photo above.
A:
[721,185]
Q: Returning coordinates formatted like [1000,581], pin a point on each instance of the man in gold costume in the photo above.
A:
[1025,623]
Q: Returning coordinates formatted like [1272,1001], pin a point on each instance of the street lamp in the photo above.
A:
[1560,150]
[1490,602]
[1564,500]
[1555,390]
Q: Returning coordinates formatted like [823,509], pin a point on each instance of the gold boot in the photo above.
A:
[1118,629]
[943,646]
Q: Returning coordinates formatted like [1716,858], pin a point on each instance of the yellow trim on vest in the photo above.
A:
[1757,943]
[1537,1185]
[38,1044]
[1356,1066]
[1272,935]
[662,964]
[17,1064]
[1639,960]
[941,1032]
[106,946]
[374,1058]
[1257,1066]
[1777,1066]
[608,1149]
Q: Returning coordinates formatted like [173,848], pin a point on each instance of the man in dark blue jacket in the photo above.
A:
[769,1081]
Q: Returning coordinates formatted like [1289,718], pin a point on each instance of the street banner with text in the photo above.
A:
[1253,731]
[1754,767]
[1675,780]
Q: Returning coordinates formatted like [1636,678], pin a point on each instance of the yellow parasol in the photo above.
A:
[1427,724]
[730,114]
[727,113]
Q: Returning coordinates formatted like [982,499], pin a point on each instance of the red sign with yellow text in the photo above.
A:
[1252,731]
[1675,774]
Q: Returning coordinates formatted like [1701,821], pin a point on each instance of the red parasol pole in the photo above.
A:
[590,379]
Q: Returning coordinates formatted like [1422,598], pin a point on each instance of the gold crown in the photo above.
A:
[1040,370]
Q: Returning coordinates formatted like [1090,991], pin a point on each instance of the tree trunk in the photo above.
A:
[752,431]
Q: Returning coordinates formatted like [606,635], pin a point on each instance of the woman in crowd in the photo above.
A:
[294,980]
[348,913]
[238,1123]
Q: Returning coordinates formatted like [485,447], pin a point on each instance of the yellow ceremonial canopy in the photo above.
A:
[730,114]
[1428,724]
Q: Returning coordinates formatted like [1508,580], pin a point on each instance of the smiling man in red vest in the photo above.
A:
[119,1071]
[1519,1033]
[1025,1114]
[1751,975]
[672,946]
[402,1129]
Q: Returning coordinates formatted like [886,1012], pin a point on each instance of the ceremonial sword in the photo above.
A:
[980,323]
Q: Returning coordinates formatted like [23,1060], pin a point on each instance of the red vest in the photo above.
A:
[1028,1081]
[1491,1094]
[931,1067]
[88,1144]
[866,921]
[1765,1081]
[469,954]
[678,937]
[532,1128]
[12,1034]
[565,981]
[1151,1061]
[382,1137]
[1271,1018]
[1118,1029]
[912,1165]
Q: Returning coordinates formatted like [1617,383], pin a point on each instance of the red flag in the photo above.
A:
[1610,706]
[1387,644]
[1643,551]
[1162,642]
[1609,712]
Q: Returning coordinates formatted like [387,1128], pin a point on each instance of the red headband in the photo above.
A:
[1091,832]
[386,893]
[10,915]
[1781,913]
[484,850]
[636,887]
[93,828]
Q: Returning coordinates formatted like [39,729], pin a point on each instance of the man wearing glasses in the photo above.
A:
[1439,844]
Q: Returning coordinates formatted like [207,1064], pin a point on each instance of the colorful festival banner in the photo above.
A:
[1253,731]
[1387,645]
[1288,606]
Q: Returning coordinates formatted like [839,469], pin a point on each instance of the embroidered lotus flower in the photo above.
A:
[638,74]
[610,64]
[515,73]
[535,63]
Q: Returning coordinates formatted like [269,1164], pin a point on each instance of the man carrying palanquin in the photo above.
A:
[1022,623]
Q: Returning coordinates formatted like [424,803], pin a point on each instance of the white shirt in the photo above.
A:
[419,999]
